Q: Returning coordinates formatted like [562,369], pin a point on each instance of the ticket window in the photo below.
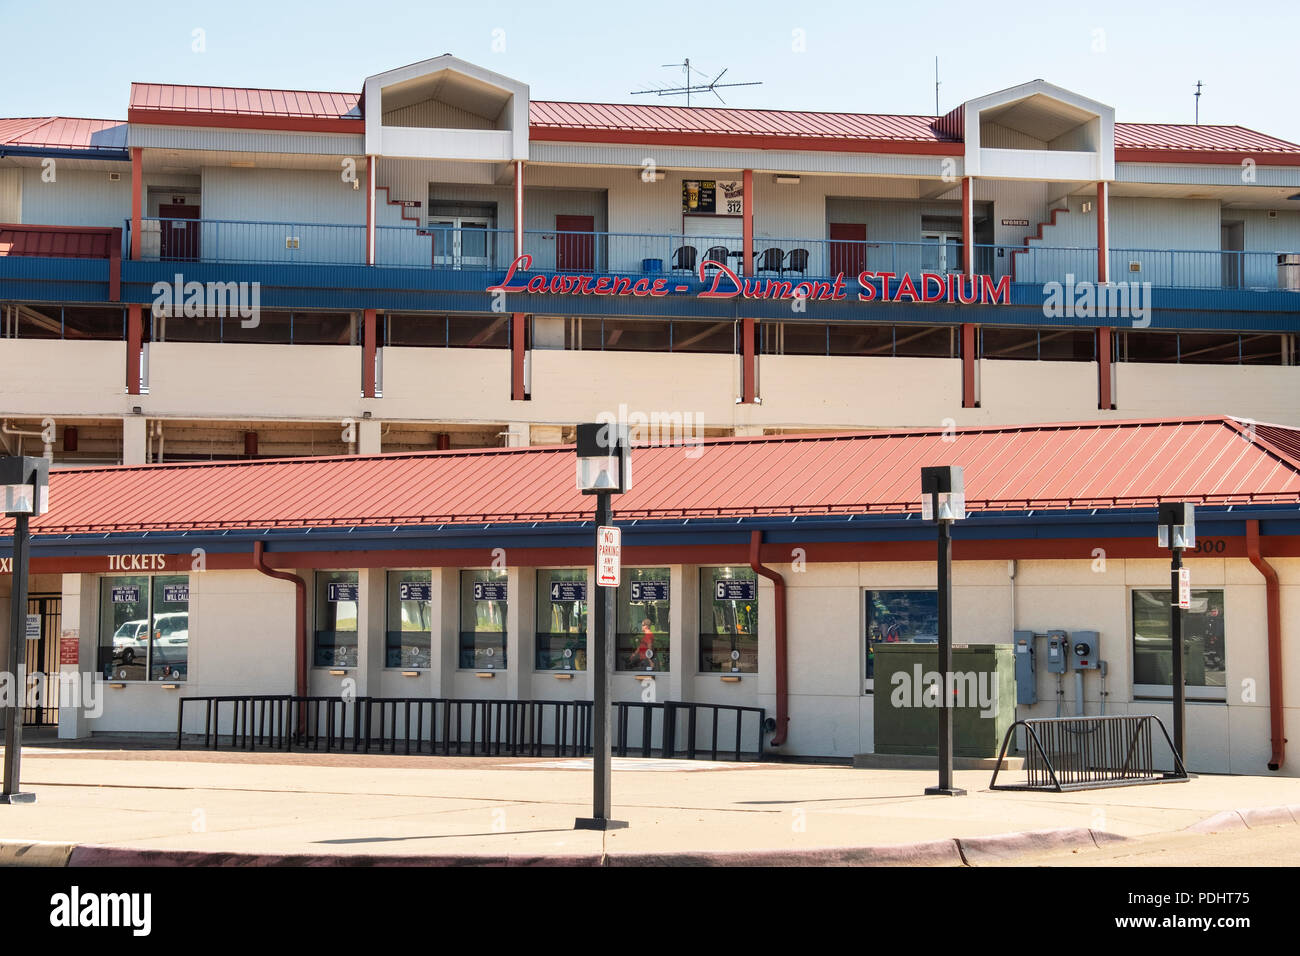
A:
[484,599]
[729,620]
[408,638]
[894,617]
[643,637]
[561,640]
[144,627]
[337,600]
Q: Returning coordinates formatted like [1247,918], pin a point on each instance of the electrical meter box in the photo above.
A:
[1058,652]
[1022,646]
[1086,650]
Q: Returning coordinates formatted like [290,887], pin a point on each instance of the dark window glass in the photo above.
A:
[909,617]
[40,322]
[478,331]
[408,636]
[729,620]
[562,620]
[266,327]
[169,652]
[919,341]
[81,322]
[406,328]
[636,335]
[484,601]
[336,618]
[124,627]
[1203,644]
[1009,343]
[861,339]
[1149,347]
[1067,345]
[1209,348]
[1261,349]
[324,328]
[643,602]
[704,337]
[181,328]
[795,338]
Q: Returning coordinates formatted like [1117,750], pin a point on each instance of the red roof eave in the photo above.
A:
[642,137]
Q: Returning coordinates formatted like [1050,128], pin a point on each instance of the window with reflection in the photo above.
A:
[729,620]
[900,617]
[484,599]
[337,600]
[408,639]
[144,627]
[643,637]
[561,640]
[1204,668]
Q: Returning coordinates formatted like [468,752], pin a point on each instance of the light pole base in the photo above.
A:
[945,792]
[17,798]
[599,823]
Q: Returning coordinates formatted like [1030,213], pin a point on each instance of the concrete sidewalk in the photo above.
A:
[384,808]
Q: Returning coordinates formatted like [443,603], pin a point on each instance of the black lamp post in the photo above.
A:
[1177,530]
[604,469]
[24,483]
[944,501]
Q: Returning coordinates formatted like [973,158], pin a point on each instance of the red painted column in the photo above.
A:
[968,399]
[137,198]
[368,354]
[519,208]
[1103,232]
[1105,400]
[115,267]
[134,333]
[517,342]
[968,225]
[747,226]
[749,364]
[372,173]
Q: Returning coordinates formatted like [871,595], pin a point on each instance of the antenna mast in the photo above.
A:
[936,86]
[691,86]
[1198,102]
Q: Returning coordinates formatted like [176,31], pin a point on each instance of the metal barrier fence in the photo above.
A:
[446,726]
[1085,753]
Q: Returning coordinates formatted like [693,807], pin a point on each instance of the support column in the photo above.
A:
[370,436]
[518,351]
[137,198]
[134,343]
[747,225]
[969,366]
[968,225]
[749,364]
[368,331]
[1103,232]
[372,171]
[519,208]
[77,623]
[1105,371]
[518,435]
[135,432]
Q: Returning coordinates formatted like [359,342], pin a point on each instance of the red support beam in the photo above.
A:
[1103,232]
[368,354]
[968,358]
[749,364]
[115,267]
[747,225]
[134,332]
[1105,395]
[137,198]
[517,343]
[968,225]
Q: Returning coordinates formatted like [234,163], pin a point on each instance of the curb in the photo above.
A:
[1247,818]
[991,850]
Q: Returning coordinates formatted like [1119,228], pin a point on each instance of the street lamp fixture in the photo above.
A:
[1177,530]
[25,489]
[943,501]
[604,469]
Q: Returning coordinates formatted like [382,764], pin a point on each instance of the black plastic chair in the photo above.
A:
[797,261]
[718,254]
[684,258]
[772,260]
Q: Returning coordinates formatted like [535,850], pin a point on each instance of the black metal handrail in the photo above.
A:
[1084,753]
[468,727]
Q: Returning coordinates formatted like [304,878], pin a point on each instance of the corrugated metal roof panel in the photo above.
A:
[1074,465]
[57,242]
[308,104]
[1214,138]
[63,132]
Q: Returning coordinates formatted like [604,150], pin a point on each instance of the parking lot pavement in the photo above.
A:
[393,805]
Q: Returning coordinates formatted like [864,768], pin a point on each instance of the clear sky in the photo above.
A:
[77,58]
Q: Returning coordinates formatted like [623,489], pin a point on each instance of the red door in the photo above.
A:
[179,238]
[848,248]
[575,253]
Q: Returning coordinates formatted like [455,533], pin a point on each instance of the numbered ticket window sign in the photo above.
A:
[337,601]
[408,636]
[484,600]
[729,615]
[642,642]
[144,627]
[561,639]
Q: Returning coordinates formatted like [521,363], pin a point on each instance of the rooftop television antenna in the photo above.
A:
[1198,102]
[692,84]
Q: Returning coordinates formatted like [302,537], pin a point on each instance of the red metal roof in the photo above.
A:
[67,242]
[63,132]
[1234,139]
[308,104]
[1067,466]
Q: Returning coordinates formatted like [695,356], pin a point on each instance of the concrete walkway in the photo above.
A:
[315,807]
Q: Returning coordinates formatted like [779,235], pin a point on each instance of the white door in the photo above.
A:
[941,252]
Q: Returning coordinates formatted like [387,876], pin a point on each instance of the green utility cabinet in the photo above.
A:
[906,709]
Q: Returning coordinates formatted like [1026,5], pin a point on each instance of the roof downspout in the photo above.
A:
[300,615]
[1273,611]
[782,711]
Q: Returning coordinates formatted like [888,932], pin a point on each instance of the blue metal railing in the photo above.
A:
[642,254]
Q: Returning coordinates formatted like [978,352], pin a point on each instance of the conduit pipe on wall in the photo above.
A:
[1273,612]
[782,711]
[300,615]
